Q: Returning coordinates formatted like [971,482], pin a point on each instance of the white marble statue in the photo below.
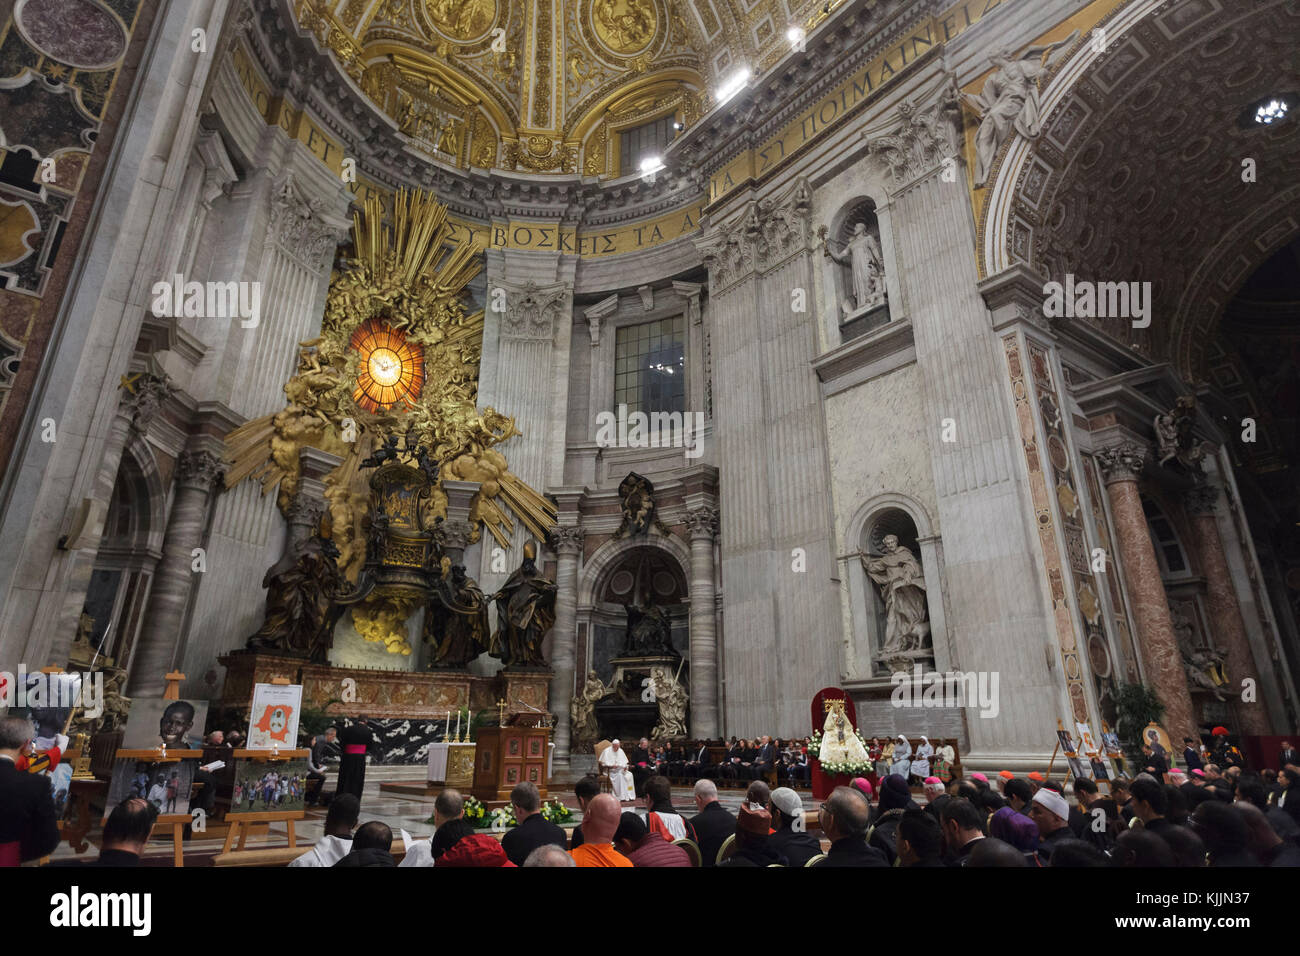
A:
[671,697]
[902,586]
[1010,101]
[866,265]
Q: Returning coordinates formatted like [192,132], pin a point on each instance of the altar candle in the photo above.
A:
[458,724]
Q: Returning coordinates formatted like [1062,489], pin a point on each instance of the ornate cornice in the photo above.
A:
[1122,462]
[149,393]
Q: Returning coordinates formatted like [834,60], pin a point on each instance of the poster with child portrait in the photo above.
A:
[273,724]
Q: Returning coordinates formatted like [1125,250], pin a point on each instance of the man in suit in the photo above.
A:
[845,818]
[1289,755]
[1192,755]
[701,764]
[534,830]
[765,759]
[713,824]
[28,829]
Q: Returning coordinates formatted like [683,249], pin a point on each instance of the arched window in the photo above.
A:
[1169,551]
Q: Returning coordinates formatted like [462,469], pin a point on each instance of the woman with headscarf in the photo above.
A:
[1012,826]
[921,758]
[902,763]
[895,799]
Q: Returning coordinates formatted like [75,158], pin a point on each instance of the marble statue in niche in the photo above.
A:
[866,267]
[902,587]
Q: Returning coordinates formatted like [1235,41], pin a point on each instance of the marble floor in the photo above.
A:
[399,811]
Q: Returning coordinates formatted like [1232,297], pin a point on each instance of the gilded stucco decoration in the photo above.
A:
[403,292]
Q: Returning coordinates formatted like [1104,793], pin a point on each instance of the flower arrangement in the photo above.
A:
[556,812]
[475,812]
[502,818]
[835,769]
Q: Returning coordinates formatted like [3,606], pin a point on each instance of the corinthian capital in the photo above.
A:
[200,469]
[702,523]
[1122,462]
[921,135]
[566,540]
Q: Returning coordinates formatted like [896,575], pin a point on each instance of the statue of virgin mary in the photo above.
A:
[839,743]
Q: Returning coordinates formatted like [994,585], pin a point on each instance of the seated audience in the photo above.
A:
[797,846]
[599,824]
[752,846]
[845,818]
[919,839]
[1225,834]
[1069,852]
[126,833]
[1263,841]
[713,824]
[370,846]
[1142,849]
[993,852]
[340,821]
[1012,826]
[963,826]
[1051,813]
[28,829]
[662,817]
[456,844]
[533,829]
[895,799]
[644,848]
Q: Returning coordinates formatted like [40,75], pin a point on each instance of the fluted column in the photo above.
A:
[703,526]
[1120,467]
[568,547]
[197,474]
[1227,627]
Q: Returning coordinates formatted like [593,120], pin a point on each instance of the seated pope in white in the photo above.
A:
[614,762]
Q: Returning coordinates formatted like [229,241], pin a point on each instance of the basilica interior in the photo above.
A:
[656,365]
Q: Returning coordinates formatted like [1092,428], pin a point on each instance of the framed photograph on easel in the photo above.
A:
[273,720]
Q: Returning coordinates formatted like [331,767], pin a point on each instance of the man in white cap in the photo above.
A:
[614,762]
[791,839]
[1052,814]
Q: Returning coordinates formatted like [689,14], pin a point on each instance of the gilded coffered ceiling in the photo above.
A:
[545,85]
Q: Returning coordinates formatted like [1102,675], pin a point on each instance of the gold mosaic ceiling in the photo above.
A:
[545,85]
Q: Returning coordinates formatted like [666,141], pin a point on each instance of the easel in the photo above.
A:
[176,821]
[234,818]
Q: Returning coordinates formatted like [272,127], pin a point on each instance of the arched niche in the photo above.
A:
[909,521]
[623,571]
[851,318]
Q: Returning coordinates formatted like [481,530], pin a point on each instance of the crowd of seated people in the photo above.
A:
[730,763]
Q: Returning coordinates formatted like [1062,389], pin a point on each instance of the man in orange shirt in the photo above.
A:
[598,826]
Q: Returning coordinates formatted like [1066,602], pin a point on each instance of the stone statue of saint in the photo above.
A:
[672,697]
[862,255]
[1009,101]
[525,613]
[902,586]
[301,602]
[456,620]
[583,730]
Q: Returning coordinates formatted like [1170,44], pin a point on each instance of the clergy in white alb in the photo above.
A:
[614,762]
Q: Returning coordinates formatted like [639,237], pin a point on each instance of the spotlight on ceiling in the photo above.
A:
[796,35]
[678,126]
[735,83]
[651,165]
[1273,111]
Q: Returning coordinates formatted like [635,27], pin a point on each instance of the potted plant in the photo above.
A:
[1136,705]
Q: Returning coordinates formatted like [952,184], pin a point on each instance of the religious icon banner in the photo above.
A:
[273,722]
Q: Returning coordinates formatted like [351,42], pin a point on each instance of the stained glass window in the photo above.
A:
[390,367]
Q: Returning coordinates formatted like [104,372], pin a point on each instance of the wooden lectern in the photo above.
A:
[506,756]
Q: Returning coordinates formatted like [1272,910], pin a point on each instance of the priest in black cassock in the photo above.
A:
[355,738]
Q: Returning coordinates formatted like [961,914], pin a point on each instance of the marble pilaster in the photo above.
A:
[1120,466]
[1226,623]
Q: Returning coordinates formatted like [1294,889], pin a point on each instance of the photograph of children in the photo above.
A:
[1067,745]
[165,785]
[1099,769]
[1078,768]
[268,786]
[1110,743]
[274,721]
[176,723]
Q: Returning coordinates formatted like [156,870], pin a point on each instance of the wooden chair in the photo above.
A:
[692,850]
[726,850]
[606,785]
[816,860]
